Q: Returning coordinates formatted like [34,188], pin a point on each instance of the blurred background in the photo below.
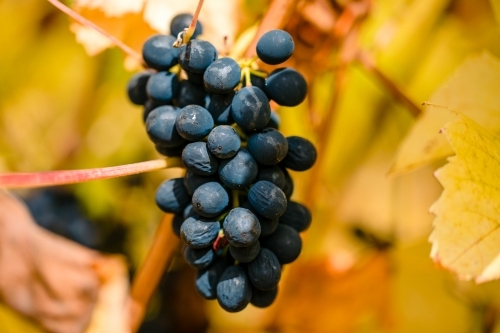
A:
[365,264]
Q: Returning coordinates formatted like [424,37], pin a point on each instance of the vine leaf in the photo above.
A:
[472,90]
[467,225]
[57,283]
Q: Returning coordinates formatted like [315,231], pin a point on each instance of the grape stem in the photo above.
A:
[185,35]
[83,21]
[63,177]
[236,198]
[149,274]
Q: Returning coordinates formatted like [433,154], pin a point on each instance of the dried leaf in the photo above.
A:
[47,278]
[466,228]
[472,90]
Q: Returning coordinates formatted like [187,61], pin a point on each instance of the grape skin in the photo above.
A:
[239,171]
[222,76]
[199,233]
[158,52]
[234,290]
[275,47]
[267,199]
[286,86]
[171,196]
[250,109]
[198,159]
[268,147]
[210,199]
[241,227]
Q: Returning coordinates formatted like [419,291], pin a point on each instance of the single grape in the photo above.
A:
[275,47]
[286,86]
[239,171]
[245,254]
[222,76]
[196,56]
[263,298]
[241,227]
[272,174]
[181,21]
[160,126]
[199,258]
[301,154]
[199,233]
[207,279]
[296,216]
[250,109]
[171,196]
[220,108]
[285,243]
[234,290]
[267,199]
[158,52]
[136,87]
[265,271]
[268,147]
[210,199]
[198,159]
[192,181]
[223,141]
[267,226]
[162,87]
[190,93]
[194,122]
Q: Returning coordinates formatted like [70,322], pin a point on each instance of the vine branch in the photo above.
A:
[63,177]
[82,20]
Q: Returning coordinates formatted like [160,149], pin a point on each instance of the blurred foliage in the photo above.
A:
[62,109]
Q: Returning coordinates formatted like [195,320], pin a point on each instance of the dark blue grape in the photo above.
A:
[267,199]
[285,243]
[222,76]
[274,122]
[190,93]
[241,227]
[286,87]
[194,122]
[272,174]
[296,216]
[210,199]
[163,87]
[177,221]
[220,108]
[181,21]
[158,52]
[198,159]
[275,47]
[199,258]
[265,271]
[192,181]
[234,290]
[239,171]
[267,226]
[263,298]
[136,87]
[207,279]
[160,126]
[245,254]
[301,154]
[170,151]
[288,188]
[171,196]
[196,56]
[223,141]
[268,147]
[199,233]
[250,109]
[149,106]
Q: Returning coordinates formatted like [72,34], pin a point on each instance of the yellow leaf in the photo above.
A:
[466,228]
[472,90]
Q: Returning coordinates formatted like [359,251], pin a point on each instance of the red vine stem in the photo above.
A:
[148,276]
[82,20]
[62,177]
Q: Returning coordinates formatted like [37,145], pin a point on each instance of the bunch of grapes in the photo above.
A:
[232,208]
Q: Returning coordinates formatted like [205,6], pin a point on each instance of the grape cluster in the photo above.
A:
[232,208]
